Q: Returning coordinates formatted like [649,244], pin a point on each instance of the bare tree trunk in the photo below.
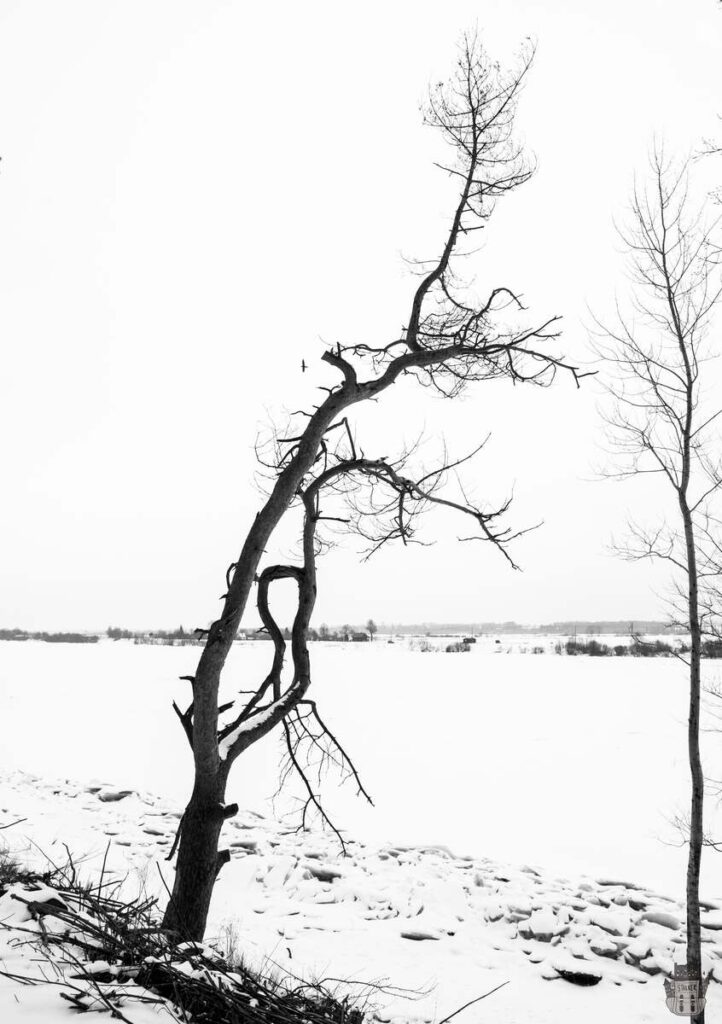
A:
[696,834]
[199,860]
[660,420]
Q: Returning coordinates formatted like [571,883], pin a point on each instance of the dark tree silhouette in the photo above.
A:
[449,341]
[660,421]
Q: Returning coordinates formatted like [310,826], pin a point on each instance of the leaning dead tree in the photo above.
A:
[449,341]
[662,423]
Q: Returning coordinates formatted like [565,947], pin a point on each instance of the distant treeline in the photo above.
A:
[51,638]
[637,649]
[571,627]
[180,636]
[165,637]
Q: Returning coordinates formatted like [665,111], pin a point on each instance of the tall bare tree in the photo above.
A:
[449,341]
[662,422]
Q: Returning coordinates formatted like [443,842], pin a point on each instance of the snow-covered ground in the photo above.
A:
[577,764]
[446,927]
[482,767]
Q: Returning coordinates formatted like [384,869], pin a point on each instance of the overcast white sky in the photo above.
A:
[194,194]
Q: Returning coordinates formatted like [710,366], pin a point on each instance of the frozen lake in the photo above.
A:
[576,764]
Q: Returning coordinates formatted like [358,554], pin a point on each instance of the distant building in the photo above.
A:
[360,638]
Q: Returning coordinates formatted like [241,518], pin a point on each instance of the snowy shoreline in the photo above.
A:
[423,918]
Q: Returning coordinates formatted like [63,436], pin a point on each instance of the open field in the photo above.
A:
[514,794]
[576,764]
[504,786]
